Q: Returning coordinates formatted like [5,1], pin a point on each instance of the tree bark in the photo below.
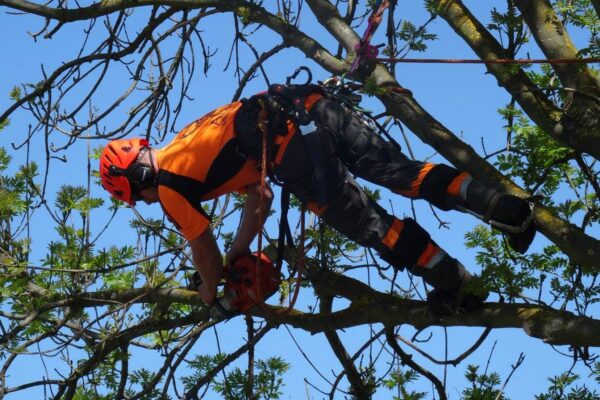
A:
[576,126]
[580,122]
[369,306]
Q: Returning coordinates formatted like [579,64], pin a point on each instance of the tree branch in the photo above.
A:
[554,40]
[530,97]
[407,360]
[580,124]
[370,306]
[359,390]
[101,8]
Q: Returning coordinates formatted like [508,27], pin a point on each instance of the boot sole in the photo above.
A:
[521,241]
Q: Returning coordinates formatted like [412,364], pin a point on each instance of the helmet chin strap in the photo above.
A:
[152,167]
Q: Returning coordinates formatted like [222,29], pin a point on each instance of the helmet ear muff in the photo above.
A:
[141,175]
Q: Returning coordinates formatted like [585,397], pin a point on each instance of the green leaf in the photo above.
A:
[15,93]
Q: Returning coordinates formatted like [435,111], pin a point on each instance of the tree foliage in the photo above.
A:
[88,290]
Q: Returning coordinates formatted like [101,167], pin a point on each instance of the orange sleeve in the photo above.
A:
[189,220]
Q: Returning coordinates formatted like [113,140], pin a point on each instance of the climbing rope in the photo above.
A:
[262,125]
[552,61]
[364,50]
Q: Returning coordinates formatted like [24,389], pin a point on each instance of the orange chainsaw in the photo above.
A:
[249,280]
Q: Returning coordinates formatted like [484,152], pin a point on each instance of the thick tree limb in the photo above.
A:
[530,97]
[133,296]
[99,9]
[553,39]
[371,306]
[551,326]
[580,122]
[329,17]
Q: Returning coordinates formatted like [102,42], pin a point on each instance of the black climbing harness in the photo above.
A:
[339,90]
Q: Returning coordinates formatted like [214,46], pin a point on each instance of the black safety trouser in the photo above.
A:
[370,157]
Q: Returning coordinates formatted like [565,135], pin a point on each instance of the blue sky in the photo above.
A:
[462,97]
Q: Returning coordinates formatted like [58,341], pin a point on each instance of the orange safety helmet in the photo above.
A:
[119,155]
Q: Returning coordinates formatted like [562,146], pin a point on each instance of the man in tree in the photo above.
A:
[313,142]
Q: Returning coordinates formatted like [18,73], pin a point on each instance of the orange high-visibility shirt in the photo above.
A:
[202,163]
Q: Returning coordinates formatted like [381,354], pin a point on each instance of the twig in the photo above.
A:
[514,368]
[407,360]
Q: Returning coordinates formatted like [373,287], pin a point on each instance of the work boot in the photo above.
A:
[453,292]
[465,299]
[509,214]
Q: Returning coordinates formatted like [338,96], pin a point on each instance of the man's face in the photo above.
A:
[149,195]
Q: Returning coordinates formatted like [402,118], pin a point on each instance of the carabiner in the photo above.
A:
[288,80]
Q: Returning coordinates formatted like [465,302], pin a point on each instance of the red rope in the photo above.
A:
[493,61]
[263,175]
[262,117]
[364,48]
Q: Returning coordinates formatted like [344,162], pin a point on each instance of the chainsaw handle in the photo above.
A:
[222,309]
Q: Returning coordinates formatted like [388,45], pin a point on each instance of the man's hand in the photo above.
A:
[197,285]
[205,252]
[235,253]
[207,294]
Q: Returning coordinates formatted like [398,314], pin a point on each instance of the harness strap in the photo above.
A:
[500,225]
[296,101]
[312,138]
[284,227]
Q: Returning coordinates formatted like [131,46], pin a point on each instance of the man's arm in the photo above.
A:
[209,264]
[249,225]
